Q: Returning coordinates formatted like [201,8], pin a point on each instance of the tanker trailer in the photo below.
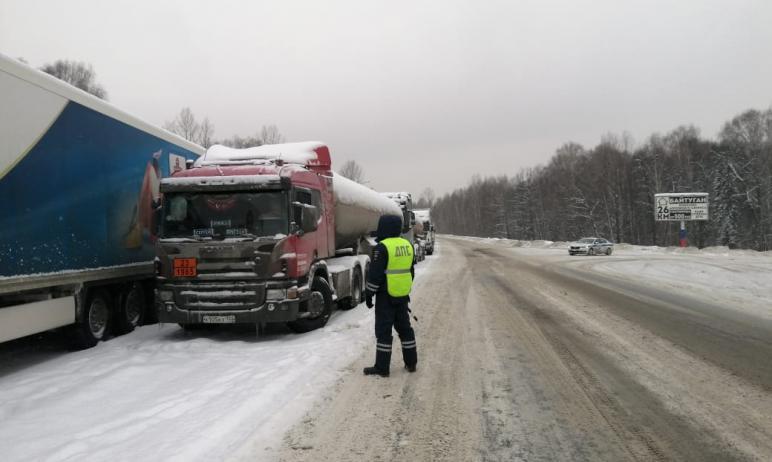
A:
[357,211]
[79,186]
[263,235]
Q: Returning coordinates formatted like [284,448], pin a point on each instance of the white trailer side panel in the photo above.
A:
[22,320]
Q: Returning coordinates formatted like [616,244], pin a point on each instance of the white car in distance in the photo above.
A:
[591,246]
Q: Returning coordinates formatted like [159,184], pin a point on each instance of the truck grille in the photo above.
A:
[233,296]
[226,268]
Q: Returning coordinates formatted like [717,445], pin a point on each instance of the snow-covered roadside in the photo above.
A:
[737,279]
[159,394]
[737,282]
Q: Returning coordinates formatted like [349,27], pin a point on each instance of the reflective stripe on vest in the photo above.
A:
[398,278]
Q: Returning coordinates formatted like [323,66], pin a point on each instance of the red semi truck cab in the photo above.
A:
[249,236]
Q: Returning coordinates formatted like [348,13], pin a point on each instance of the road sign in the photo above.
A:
[681,206]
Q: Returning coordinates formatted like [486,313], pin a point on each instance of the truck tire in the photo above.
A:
[94,320]
[356,293]
[319,301]
[131,309]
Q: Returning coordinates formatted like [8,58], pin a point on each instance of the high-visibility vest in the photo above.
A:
[399,281]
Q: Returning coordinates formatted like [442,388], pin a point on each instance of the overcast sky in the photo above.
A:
[419,93]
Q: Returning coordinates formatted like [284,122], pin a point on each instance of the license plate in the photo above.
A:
[185,267]
[219,319]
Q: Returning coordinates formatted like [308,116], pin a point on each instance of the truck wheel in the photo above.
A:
[319,305]
[356,293]
[94,321]
[131,311]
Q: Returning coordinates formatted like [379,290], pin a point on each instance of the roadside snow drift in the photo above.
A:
[160,394]
[739,280]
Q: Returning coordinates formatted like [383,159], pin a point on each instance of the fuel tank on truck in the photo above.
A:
[357,210]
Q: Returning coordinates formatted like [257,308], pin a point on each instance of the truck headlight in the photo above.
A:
[276,294]
[166,295]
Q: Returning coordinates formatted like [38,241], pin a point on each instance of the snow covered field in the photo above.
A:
[161,394]
[737,279]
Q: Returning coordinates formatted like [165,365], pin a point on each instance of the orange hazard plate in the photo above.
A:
[184,267]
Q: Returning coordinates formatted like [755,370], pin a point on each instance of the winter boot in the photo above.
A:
[382,360]
[410,355]
[373,370]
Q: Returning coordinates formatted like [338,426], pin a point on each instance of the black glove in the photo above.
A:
[369,299]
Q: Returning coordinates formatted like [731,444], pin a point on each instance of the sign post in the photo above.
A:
[681,207]
[682,235]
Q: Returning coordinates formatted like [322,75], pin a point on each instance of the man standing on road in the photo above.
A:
[391,278]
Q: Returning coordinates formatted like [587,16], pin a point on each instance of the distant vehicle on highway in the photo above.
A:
[419,248]
[591,246]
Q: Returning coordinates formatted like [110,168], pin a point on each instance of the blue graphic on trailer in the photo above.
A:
[85,195]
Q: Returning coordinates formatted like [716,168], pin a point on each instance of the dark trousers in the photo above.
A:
[393,313]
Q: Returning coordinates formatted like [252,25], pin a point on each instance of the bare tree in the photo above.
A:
[427,196]
[269,134]
[185,125]
[206,133]
[77,74]
[353,171]
[609,190]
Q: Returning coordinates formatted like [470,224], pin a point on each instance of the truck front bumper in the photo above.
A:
[270,311]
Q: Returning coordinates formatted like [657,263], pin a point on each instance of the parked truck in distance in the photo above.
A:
[264,235]
[424,229]
[405,202]
[79,182]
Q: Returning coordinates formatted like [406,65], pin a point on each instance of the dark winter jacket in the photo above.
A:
[388,226]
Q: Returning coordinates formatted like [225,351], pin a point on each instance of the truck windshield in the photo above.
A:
[224,215]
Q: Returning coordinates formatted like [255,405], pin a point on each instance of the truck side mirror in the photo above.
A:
[306,216]
[310,218]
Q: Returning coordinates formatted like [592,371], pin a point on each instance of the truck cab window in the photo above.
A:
[303,196]
[219,216]
[178,209]
[316,200]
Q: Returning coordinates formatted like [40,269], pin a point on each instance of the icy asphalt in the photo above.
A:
[525,354]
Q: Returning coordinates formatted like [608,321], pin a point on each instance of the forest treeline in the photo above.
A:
[608,191]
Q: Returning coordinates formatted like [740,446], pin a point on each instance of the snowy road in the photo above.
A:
[529,354]
[525,353]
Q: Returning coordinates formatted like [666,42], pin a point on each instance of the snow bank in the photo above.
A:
[736,279]
[160,394]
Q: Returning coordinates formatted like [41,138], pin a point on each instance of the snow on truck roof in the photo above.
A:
[400,197]
[257,181]
[308,153]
